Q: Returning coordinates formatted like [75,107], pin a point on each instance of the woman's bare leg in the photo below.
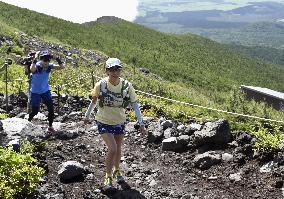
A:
[119,142]
[112,152]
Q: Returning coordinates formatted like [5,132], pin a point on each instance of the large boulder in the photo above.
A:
[155,134]
[216,133]
[70,170]
[66,131]
[206,160]
[14,128]
[170,144]
[167,124]
[243,138]
[176,144]
[169,132]
[191,128]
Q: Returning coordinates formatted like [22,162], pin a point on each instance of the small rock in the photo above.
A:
[181,128]
[226,157]
[152,183]
[236,177]
[213,178]
[16,143]
[267,168]
[279,184]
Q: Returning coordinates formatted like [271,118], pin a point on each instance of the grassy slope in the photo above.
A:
[195,69]
[190,59]
[271,55]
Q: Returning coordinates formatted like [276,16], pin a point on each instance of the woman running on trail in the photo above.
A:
[113,94]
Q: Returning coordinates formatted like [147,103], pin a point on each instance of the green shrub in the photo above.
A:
[18,173]
[268,139]
[17,50]
[3,116]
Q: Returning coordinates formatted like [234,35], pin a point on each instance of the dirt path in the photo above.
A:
[153,173]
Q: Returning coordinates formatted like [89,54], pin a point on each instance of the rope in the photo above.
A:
[198,106]
[204,107]
[208,108]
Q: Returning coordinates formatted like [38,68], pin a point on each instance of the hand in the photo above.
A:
[36,56]
[32,55]
[143,130]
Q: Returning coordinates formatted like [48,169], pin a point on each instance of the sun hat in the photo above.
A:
[45,55]
[111,62]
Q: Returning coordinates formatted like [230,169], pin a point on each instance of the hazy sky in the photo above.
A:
[83,10]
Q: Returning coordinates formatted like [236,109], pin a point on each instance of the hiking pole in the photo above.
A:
[29,92]
[58,88]
[20,81]
[27,62]
[93,80]
[6,64]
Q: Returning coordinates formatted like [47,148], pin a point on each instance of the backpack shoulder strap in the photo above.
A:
[103,92]
[125,93]
[103,86]
[125,88]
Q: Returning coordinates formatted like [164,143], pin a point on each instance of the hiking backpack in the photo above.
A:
[104,93]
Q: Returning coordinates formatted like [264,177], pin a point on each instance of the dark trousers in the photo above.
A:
[35,105]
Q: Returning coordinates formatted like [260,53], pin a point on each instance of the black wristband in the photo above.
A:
[59,61]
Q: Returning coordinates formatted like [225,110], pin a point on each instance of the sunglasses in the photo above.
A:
[45,58]
[114,68]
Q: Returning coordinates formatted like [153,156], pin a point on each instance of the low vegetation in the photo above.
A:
[19,174]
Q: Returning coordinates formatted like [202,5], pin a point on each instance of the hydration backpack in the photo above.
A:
[104,92]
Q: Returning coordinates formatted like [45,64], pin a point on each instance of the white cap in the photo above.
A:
[44,53]
[111,62]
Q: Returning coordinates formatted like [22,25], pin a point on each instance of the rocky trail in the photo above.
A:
[174,161]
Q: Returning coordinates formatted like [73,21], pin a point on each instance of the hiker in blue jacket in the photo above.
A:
[40,89]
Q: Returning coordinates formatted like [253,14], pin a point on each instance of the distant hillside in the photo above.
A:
[270,55]
[189,60]
[259,23]
[257,34]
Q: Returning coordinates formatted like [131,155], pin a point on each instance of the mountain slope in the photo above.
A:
[271,55]
[257,34]
[242,25]
[192,60]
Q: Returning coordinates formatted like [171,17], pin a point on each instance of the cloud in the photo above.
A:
[83,10]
